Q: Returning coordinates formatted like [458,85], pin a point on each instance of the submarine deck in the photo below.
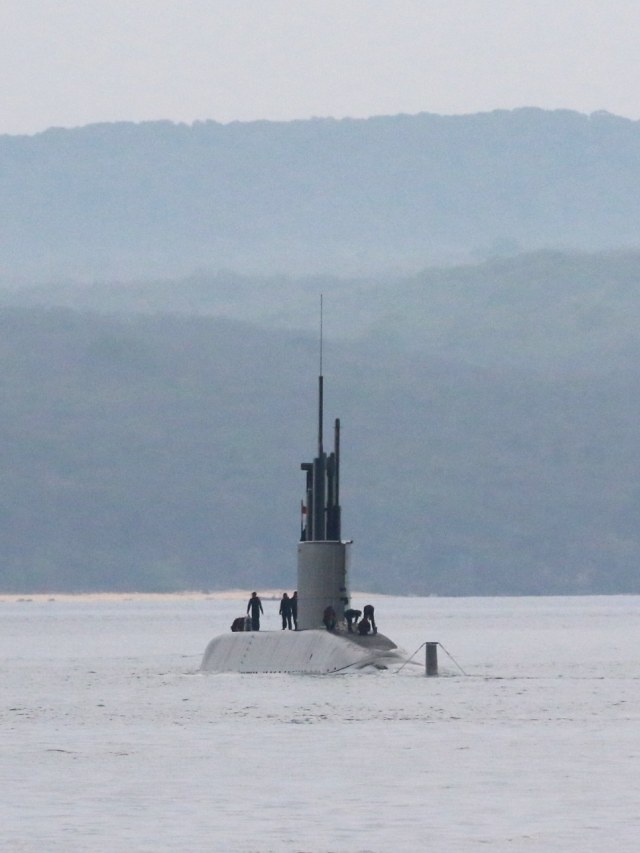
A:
[314,652]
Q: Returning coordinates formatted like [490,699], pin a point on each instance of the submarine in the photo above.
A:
[319,646]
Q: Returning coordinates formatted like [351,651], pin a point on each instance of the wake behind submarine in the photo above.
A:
[323,582]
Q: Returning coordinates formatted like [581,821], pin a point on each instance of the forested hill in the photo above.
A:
[490,436]
[363,196]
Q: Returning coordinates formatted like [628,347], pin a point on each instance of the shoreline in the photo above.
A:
[117,597]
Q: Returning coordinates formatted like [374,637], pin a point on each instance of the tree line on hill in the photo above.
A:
[152,435]
[345,197]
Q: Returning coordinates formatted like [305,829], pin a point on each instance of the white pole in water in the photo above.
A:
[431,659]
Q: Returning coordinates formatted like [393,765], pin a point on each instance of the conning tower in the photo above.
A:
[323,557]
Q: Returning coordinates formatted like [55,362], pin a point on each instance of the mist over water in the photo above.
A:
[114,740]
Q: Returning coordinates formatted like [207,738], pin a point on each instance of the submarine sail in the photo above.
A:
[323,558]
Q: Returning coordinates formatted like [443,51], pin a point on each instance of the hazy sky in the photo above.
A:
[73,62]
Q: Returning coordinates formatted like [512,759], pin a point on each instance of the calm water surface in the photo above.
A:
[112,739]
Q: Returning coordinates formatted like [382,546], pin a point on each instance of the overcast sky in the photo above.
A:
[73,62]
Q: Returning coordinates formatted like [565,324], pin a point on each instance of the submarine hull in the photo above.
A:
[313,652]
[323,589]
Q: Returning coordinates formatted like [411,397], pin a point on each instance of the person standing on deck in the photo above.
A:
[294,610]
[285,611]
[255,606]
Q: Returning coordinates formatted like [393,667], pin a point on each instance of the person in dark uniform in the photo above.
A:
[329,618]
[368,614]
[254,607]
[364,626]
[294,610]
[285,611]
[352,617]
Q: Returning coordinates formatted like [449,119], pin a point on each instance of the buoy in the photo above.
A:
[431,659]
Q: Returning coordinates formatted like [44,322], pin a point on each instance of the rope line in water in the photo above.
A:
[453,659]
[409,659]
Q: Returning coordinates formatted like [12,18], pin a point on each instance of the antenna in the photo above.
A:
[321,335]
[321,509]
[320,389]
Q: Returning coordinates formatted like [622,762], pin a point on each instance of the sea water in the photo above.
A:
[529,740]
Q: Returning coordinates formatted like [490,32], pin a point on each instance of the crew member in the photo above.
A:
[254,607]
[329,618]
[352,617]
[364,626]
[285,611]
[368,614]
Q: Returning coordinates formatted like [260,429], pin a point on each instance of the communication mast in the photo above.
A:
[322,555]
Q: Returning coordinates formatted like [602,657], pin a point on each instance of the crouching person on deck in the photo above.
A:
[364,626]
[329,618]
[352,617]
[368,614]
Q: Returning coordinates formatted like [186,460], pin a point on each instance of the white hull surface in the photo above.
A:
[313,652]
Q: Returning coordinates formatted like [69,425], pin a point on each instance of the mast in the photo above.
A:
[321,513]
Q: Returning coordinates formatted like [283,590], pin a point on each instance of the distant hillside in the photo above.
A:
[350,196]
[158,451]
[554,312]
